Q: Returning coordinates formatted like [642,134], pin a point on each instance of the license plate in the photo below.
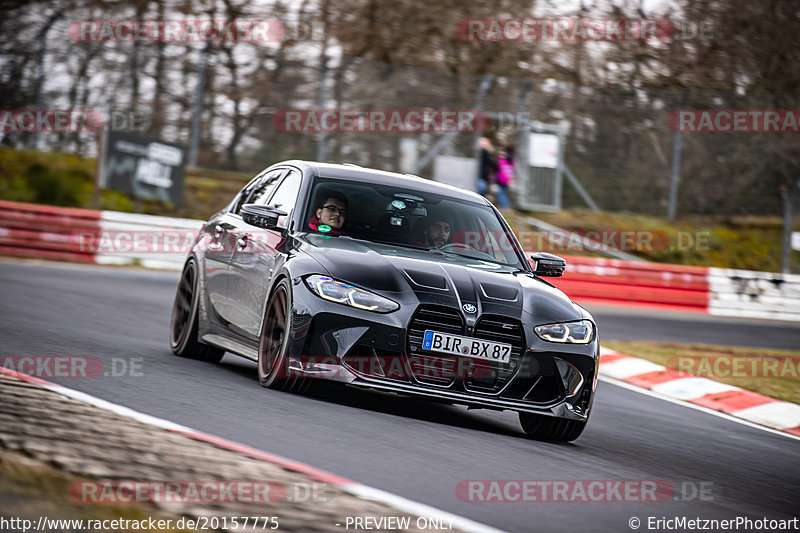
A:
[467,346]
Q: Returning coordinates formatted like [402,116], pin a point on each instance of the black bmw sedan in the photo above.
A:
[390,282]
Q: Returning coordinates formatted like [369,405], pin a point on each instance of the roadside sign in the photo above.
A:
[145,167]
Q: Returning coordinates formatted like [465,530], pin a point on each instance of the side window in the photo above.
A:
[285,196]
[244,194]
[265,188]
[258,189]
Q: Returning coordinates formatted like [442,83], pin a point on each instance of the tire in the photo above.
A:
[542,427]
[273,342]
[183,325]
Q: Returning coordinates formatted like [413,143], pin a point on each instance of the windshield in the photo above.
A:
[385,214]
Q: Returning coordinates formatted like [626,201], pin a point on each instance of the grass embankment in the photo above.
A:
[773,373]
[67,180]
[29,490]
[746,242]
[743,242]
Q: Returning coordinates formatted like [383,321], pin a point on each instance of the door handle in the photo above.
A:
[242,241]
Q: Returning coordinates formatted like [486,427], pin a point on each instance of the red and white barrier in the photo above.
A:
[715,291]
[590,279]
[748,293]
[68,234]
[46,232]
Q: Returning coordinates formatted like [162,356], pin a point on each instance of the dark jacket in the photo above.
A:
[488,166]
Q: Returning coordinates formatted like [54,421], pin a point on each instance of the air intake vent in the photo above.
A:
[490,377]
[429,368]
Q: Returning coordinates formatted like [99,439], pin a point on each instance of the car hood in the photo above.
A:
[407,274]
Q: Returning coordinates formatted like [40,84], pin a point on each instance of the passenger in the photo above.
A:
[437,232]
[330,214]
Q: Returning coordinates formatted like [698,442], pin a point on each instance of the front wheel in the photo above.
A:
[183,327]
[551,428]
[274,341]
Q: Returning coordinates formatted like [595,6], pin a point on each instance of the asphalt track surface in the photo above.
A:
[409,447]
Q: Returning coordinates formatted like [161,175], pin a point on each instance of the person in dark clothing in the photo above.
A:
[488,166]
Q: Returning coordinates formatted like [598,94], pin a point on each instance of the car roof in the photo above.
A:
[371,175]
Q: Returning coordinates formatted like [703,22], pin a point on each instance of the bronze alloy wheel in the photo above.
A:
[183,328]
[272,345]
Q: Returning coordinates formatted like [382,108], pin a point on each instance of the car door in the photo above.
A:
[222,243]
[218,251]
[254,259]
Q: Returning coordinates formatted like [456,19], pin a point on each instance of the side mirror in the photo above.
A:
[262,216]
[548,265]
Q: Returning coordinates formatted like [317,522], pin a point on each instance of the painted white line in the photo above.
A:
[696,407]
[778,415]
[356,489]
[459,522]
[627,367]
[691,388]
[115,408]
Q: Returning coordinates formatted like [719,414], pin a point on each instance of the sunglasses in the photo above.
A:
[334,209]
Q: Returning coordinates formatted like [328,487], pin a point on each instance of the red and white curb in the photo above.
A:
[356,489]
[704,392]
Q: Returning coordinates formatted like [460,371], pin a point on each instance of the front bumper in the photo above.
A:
[383,352]
[341,373]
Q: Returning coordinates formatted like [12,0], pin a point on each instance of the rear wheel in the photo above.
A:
[551,428]
[183,326]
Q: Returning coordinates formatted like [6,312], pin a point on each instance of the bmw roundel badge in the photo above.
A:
[469,308]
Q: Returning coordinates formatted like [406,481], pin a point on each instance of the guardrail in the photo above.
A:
[68,234]
[748,293]
[616,281]
[148,228]
[47,232]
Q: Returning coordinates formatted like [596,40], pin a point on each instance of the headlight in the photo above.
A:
[579,332]
[343,293]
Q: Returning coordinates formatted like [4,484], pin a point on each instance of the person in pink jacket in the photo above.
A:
[505,174]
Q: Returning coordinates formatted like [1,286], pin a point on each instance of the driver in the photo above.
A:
[437,232]
[330,214]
